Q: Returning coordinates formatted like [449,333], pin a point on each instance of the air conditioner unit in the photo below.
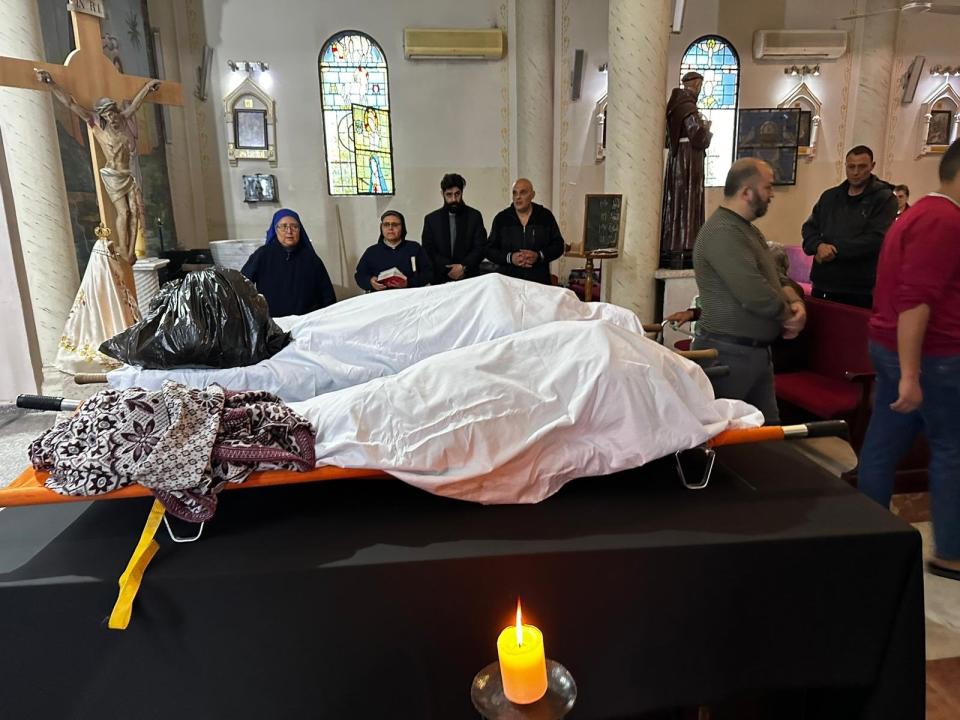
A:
[787,44]
[453,43]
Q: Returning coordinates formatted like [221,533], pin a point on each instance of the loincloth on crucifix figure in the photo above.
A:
[103,307]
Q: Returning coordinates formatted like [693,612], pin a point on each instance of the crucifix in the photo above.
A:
[92,88]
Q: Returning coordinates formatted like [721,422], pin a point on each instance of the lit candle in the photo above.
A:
[523,665]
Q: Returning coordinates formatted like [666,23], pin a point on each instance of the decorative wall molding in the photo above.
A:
[563,202]
[948,97]
[244,91]
[506,23]
[804,98]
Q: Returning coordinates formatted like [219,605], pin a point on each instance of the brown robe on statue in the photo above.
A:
[682,213]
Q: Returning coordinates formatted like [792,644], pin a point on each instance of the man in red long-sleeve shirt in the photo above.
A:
[915,348]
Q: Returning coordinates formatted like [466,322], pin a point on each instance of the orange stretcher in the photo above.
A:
[28,489]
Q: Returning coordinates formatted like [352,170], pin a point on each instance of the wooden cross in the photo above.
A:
[88,75]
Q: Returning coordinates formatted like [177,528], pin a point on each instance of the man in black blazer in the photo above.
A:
[453,236]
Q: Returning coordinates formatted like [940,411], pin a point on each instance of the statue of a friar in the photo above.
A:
[688,137]
[115,129]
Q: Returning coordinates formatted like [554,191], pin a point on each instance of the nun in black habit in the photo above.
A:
[287,270]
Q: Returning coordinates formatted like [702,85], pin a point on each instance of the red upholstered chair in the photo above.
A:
[837,379]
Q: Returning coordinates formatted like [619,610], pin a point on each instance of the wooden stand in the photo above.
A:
[588,281]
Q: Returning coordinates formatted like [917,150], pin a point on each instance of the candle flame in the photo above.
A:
[519,626]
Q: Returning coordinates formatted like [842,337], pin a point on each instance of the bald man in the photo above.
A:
[745,305]
[524,238]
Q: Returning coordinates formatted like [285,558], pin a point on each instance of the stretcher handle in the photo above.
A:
[716,371]
[89,378]
[46,402]
[652,327]
[828,428]
[709,354]
[819,428]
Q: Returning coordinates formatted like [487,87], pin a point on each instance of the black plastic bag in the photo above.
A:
[210,318]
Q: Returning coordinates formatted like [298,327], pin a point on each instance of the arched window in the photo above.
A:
[716,59]
[355,97]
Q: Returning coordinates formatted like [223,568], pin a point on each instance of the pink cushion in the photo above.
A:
[825,397]
[800,264]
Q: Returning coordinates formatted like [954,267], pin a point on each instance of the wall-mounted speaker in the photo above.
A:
[576,77]
[911,79]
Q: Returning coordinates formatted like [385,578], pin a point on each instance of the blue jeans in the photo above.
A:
[891,434]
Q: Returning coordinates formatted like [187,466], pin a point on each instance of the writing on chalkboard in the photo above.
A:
[601,225]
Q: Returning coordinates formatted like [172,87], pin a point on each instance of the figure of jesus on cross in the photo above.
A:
[86,76]
[115,131]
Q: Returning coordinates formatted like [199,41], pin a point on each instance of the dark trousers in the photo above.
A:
[750,378]
[864,300]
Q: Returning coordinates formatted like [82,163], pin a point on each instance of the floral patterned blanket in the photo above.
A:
[182,443]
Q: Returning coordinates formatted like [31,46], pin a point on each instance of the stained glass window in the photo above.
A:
[355,98]
[718,62]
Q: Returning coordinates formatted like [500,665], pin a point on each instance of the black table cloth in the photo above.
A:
[371,599]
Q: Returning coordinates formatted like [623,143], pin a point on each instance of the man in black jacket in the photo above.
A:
[525,238]
[453,236]
[845,231]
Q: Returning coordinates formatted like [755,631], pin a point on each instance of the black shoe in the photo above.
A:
[935,568]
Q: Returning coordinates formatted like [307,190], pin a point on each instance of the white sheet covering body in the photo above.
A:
[382,333]
[513,419]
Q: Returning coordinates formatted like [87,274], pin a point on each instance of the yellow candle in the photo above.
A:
[523,665]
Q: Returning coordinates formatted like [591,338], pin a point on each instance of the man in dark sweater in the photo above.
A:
[525,238]
[393,250]
[845,231]
[744,306]
[453,236]
[915,348]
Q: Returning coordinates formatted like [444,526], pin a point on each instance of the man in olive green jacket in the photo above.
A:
[744,305]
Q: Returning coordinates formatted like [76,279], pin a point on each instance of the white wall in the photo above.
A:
[447,116]
[581,25]
[936,38]
[763,84]
[456,116]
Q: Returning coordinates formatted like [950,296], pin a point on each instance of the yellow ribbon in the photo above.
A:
[133,575]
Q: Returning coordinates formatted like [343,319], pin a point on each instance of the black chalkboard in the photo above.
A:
[601,225]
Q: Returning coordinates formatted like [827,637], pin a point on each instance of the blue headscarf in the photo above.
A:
[294,281]
[279,215]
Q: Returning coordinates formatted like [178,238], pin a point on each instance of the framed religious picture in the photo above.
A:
[259,188]
[250,129]
[782,160]
[771,135]
[939,130]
